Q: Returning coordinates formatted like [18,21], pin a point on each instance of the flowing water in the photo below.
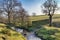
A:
[29,36]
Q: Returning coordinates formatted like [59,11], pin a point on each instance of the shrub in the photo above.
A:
[29,28]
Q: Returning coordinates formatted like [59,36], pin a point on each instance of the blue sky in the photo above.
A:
[34,6]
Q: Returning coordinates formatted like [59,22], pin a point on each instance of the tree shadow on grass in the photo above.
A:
[56,24]
[40,22]
[44,22]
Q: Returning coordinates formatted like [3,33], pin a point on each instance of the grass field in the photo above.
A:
[37,22]
[42,17]
[43,21]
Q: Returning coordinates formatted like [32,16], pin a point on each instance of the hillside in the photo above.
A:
[42,17]
[9,34]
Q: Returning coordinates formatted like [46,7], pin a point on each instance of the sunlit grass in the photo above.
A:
[44,22]
[52,27]
[2,25]
[42,17]
[9,34]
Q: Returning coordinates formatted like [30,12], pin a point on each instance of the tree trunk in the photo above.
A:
[9,17]
[50,20]
[14,19]
[22,21]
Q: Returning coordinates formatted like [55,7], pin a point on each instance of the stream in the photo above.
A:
[29,36]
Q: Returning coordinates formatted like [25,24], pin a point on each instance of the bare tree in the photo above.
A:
[2,16]
[8,5]
[49,8]
[15,12]
[20,16]
[24,17]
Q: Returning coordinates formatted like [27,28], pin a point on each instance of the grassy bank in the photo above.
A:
[8,34]
[46,33]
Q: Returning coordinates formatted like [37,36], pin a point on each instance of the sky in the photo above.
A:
[34,6]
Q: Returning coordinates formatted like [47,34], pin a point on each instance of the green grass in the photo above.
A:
[43,17]
[45,34]
[38,22]
[9,34]
[43,22]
